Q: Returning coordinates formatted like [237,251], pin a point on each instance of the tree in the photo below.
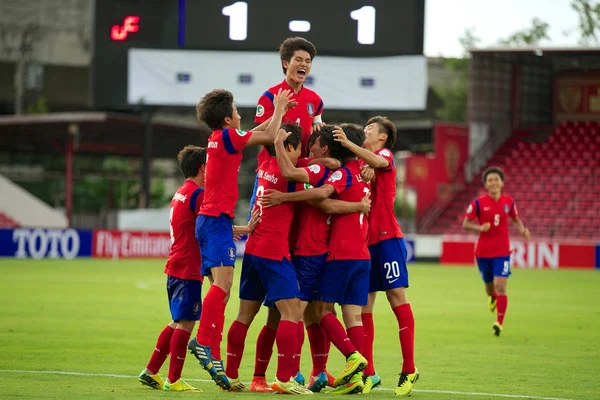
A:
[529,36]
[589,20]
[454,94]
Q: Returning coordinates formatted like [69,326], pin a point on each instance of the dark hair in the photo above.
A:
[214,107]
[294,139]
[311,140]
[493,170]
[293,44]
[326,137]
[385,126]
[356,134]
[191,158]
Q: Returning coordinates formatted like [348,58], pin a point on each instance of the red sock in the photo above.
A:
[406,324]
[211,315]
[327,347]
[264,350]
[217,335]
[501,305]
[334,329]
[286,338]
[179,343]
[369,327]
[316,339]
[161,351]
[494,295]
[357,337]
[299,344]
[236,339]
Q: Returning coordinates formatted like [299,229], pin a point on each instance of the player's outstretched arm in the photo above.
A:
[267,136]
[471,226]
[287,168]
[367,156]
[334,206]
[522,230]
[274,197]
[327,162]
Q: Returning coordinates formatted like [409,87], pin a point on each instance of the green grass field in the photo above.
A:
[91,319]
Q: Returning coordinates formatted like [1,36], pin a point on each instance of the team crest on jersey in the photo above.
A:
[241,132]
[506,208]
[314,168]
[307,186]
[311,109]
[385,153]
[260,111]
[336,176]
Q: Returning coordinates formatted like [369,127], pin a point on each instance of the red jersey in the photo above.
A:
[223,159]
[382,218]
[348,239]
[312,230]
[270,237]
[309,106]
[184,259]
[494,242]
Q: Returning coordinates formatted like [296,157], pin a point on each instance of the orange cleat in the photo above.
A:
[259,384]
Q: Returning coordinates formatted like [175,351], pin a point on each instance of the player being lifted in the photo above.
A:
[389,273]
[214,228]
[488,215]
[344,279]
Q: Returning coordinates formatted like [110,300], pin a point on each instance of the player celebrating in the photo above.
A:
[268,274]
[388,250]
[214,229]
[488,215]
[184,282]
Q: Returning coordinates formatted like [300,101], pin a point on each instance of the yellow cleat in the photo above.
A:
[153,381]
[355,363]
[371,382]
[492,303]
[180,386]
[237,385]
[497,328]
[354,386]
[406,383]
[289,387]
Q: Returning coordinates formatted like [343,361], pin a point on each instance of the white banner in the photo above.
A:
[181,78]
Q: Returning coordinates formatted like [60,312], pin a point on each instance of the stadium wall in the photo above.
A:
[38,243]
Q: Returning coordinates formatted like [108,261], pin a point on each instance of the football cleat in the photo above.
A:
[300,379]
[497,328]
[354,386]
[318,382]
[371,382]
[354,363]
[406,382]
[153,381]
[330,379]
[492,303]
[202,353]
[289,387]
[180,386]
[259,385]
[237,385]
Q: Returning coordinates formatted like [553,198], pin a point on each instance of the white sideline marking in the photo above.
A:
[511,396]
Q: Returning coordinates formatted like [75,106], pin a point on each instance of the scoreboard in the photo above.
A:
[349,28]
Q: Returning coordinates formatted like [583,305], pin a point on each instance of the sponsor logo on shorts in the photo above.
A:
[231,252]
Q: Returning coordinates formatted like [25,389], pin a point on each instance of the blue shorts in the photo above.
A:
[268,280]
[309,270]
[185,298]
[495,266]
[345,282]
[215,238]
[388,265]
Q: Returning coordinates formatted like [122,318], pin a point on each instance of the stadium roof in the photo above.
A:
[537,50]
[99,133]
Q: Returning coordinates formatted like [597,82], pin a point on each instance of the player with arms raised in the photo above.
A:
[214,228]
[389,273]
[184,282]
[488,215]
